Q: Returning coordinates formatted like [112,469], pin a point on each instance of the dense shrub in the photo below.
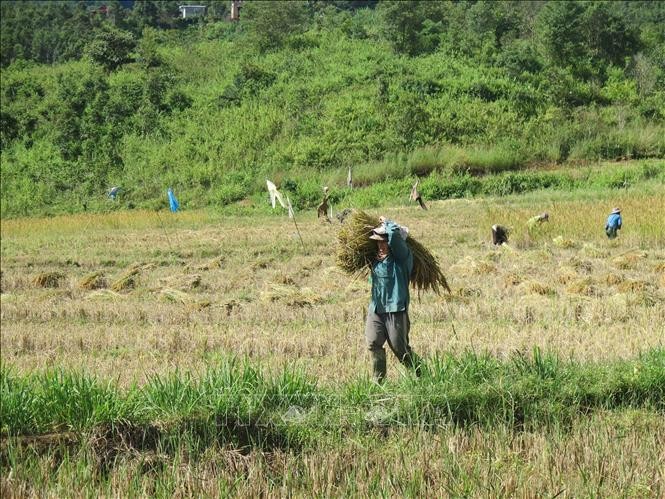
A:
[304,90]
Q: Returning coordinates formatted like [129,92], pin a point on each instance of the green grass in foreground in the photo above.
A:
[533,425]
[237,402]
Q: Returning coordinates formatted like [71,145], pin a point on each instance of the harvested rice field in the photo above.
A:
[130,294]
[127,305]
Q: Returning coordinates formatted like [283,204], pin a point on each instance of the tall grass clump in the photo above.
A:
[630,143]
[392,167]
[527,389]
[439,186]
[493,159]
[424,161]
[457,160]
[57,400]
[243,405]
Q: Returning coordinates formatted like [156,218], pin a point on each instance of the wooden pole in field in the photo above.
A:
[292,215]
[164,229]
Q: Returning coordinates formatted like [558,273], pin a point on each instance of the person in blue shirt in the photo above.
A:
[613,223]
[388,312]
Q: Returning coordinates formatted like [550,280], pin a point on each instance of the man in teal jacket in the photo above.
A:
[388,313]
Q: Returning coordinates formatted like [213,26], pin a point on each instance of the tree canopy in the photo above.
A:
[134,94]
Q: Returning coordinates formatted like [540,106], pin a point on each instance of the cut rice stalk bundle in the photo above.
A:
[214,264]
[185,282]
[356,252]
[291,295]
[175,295]
[126,281]
[48,279]
[96,280]
[104,294]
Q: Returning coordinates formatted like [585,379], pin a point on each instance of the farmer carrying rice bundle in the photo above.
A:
[393,259]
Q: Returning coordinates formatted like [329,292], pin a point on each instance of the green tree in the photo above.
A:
[560,27]
[147,49]
[412,27]
[144,13]
[111,48]
[269,24]
[608,38]
[585,36]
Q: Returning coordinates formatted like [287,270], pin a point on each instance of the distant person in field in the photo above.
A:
[499,235]
[534,222]
[388,312]
[113,192]
[416,196]
[613,223]
[322,210]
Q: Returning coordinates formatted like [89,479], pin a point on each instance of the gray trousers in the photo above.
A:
[392,327]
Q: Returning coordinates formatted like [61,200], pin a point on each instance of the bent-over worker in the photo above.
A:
[613,223]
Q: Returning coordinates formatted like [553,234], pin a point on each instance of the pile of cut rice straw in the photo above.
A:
[356,253]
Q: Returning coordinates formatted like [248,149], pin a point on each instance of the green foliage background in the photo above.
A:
[300,91]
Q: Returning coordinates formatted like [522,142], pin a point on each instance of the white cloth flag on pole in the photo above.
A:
[274,194]
[288,203]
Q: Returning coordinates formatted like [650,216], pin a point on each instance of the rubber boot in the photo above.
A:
[379,368]
[412,361]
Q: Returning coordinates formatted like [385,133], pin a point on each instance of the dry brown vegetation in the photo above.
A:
[606,454]
[211,285]
[136,298]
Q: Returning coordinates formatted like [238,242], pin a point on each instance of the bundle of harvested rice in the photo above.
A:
[613,279]
[175,295]
[634,286]
[356,252]
[104,294]
[213,264]
[48,279]
[629,260]
[591,251]
[126,281]
[290,295]
[96,280]
[583,286]
[536,288]
[182,282]
[562,242]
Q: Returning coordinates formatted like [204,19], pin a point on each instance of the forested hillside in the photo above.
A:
[127,94]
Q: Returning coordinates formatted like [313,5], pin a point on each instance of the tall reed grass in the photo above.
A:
[526,389]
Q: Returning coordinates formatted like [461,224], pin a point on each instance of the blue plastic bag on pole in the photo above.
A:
[173,202]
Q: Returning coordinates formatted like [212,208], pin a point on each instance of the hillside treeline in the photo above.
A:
[130,95]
